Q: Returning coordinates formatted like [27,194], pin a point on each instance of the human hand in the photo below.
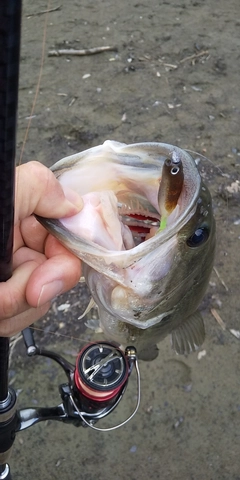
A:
[42,267]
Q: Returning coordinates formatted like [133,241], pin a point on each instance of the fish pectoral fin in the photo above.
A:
[91,305]
[189,336]
[92,323]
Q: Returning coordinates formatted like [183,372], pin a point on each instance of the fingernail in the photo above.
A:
[73,197]
[49,291]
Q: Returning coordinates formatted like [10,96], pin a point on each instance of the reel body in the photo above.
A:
[96,384]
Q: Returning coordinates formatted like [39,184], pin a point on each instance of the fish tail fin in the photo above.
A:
[189,336]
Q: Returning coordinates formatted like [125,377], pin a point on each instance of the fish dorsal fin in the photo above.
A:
[89,307]
[189,336]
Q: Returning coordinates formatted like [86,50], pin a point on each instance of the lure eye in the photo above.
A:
[175,170]
[199,237]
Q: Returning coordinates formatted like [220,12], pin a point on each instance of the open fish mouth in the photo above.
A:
[127,188]
[146,237]
[142,219]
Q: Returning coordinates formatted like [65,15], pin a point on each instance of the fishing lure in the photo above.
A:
[170,187]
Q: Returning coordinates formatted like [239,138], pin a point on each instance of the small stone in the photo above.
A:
[236,333]
[63,307]
[133,449]
[201,354]
[178,422]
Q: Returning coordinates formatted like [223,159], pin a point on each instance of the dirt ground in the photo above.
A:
[173,77]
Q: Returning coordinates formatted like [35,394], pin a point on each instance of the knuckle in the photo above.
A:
[45,179]
[39,171]
[9,306]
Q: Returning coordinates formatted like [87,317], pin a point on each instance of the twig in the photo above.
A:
[87,51]
[170,65]
[196,55]
[215,314]
[221,280]
[44,11]
[217,317]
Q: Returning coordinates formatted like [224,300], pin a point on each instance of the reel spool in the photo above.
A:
[101,373]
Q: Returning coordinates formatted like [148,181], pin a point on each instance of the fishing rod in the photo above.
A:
[10,21]
[97,381]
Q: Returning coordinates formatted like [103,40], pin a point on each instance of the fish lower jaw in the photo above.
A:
[134,309]
[134,318]
[144,324]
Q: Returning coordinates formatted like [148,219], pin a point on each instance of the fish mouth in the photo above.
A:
[140,225]
[125,186]
[119,232]
[142,219]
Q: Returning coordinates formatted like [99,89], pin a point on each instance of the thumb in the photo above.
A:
[39,192]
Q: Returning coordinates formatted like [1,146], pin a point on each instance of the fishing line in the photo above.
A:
[57,334]
[205,158]
[15,339]
[202,157]
[38,82]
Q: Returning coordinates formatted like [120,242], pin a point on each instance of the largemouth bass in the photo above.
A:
[146,235]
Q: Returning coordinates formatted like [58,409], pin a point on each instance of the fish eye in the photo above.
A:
[199,237]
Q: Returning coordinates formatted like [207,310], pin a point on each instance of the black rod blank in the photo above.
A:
[10,21]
